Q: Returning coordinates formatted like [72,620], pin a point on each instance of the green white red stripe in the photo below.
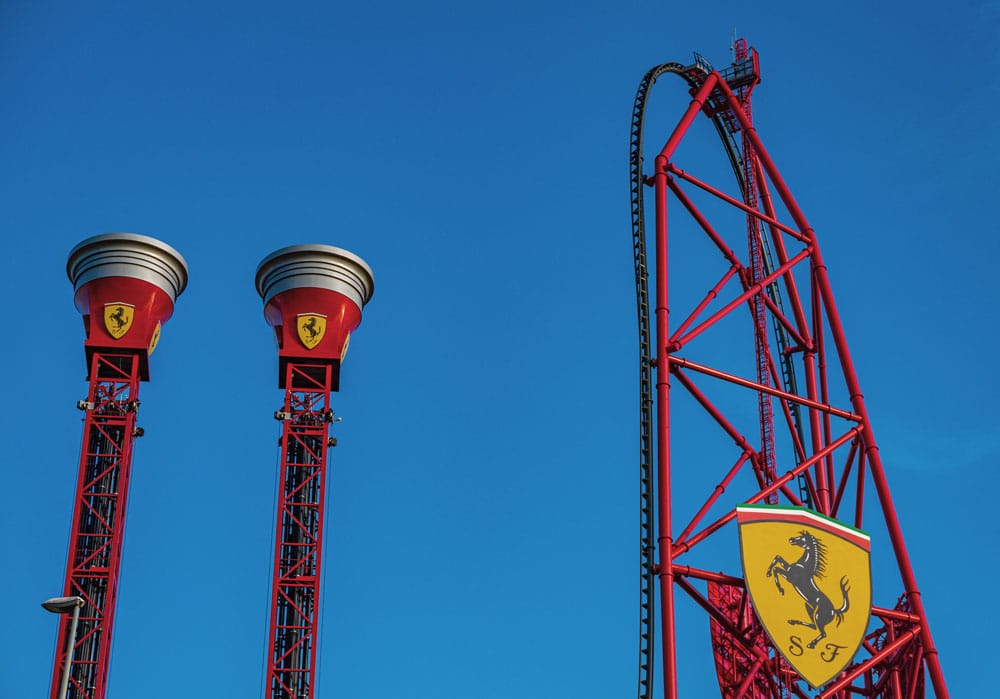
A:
[791,513]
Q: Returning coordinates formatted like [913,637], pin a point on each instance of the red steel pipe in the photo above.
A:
[674,170]
[715,373]
[664,536]
[864,667]
[757,288]
[682,547]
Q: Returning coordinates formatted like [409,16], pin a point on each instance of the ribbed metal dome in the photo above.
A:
[315,266]
[128,255]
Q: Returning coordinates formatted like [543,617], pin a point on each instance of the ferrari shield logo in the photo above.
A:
[155,339]
[311,327]
[809,579]
[118,318]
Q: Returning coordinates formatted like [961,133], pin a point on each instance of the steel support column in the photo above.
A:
[294,626]
[95,548]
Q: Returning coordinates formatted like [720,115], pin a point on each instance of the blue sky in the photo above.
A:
[482,520]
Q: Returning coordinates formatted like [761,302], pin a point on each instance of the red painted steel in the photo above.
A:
[99,521]
[342,318]
[152,307]
[833,451]
[125,286]
[312,322]
[293,638]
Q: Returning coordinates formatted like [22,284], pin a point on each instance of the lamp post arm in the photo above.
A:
[64,688]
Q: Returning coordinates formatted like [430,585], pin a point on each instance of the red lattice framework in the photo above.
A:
[95,547]
[832,462]
[293,637]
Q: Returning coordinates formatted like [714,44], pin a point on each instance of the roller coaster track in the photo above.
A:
[725,124]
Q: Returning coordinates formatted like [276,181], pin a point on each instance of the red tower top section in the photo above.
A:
[313,296]
[125,286]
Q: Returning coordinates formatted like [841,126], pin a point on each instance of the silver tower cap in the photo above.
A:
[128,255]
[316,266]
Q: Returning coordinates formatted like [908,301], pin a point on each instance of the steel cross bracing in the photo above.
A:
[99,521]
[727,128]
[737,670]
[824,424]
[294,625]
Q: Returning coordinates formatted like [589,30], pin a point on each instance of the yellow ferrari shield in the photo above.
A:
[809,579]
[118,318]
[311,328]
[155,339]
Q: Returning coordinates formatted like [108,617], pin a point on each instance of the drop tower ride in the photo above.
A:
[125,287]
[313,296]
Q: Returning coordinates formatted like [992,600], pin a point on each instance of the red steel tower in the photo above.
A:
[313,296]
[762,359]
[125,287]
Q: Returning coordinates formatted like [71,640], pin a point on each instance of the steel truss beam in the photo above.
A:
[98,531]
[293,637]
[832,452]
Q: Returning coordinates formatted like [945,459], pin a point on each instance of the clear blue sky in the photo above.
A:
[482,525]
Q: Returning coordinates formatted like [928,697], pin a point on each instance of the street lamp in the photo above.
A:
[62,605]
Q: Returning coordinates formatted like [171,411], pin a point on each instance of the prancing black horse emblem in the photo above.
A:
[119,317]
[802,575]
[311,327]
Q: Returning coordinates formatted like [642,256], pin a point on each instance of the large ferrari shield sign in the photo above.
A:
[118,318]
[311,328]
[809,579]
